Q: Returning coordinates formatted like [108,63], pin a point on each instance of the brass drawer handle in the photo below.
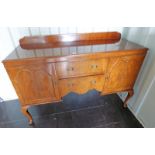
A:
[70,69]
[94,66]
[93,82]
[70,84]
[107,77]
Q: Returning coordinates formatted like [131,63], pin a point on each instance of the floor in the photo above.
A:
[85,111]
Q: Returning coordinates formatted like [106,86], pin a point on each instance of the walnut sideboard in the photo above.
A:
[43,69]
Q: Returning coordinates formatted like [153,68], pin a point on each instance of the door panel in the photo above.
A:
[33,84]
[122,73]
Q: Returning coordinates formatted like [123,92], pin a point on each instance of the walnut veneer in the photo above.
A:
[47,68]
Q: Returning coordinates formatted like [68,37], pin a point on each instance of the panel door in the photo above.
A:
[33,83]
[122,73]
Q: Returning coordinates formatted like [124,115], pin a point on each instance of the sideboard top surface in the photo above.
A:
[122,45]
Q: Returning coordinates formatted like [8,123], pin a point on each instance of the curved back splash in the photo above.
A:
[67,40]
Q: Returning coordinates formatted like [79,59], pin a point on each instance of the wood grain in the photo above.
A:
[66,40]
[122,72]
[32,83]
[46,79]
[81,85]
[81,68]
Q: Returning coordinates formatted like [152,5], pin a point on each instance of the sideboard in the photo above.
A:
[43,69]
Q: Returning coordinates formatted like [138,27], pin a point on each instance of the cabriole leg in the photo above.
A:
[24,110]
[130,94]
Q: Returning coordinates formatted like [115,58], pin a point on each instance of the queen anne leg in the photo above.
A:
[24,110]
[130,94]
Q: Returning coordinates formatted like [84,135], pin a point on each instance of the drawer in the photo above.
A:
[81,85]
[81,68]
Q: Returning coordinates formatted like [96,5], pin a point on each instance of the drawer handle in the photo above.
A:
[70,84]
[93,82]
[70,69]
[107,76]
[94,66]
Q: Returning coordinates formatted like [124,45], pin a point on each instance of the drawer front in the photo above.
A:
[81,85]
[81,68]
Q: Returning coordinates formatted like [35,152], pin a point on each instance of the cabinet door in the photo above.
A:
[122,73]
[33,84]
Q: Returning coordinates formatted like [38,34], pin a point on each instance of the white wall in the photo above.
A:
[9,39]
[142,103]
[6,46]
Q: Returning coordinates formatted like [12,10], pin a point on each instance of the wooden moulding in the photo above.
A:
[66,40]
